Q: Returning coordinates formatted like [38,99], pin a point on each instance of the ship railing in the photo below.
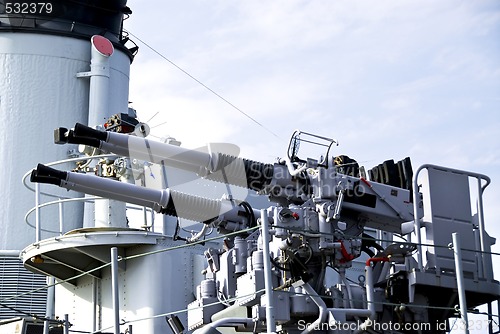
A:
[147,224]
[484,266]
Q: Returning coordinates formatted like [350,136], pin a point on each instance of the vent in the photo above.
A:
[15,280]
[34,328]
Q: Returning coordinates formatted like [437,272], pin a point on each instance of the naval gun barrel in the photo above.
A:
[166,201]
[216,166]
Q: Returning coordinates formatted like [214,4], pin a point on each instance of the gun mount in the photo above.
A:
[378,205]
[321,220]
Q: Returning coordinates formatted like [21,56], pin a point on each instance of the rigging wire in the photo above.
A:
[223,236]
[56,283]
[203,85]
[33,315]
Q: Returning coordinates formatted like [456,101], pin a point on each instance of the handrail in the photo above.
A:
[89,199]
[54,163]
[64,199]
[417,221]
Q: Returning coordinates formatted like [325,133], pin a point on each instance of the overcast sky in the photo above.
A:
[387,79]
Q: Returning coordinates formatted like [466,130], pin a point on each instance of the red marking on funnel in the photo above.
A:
[103,45]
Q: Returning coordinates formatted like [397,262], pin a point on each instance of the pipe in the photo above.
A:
[38,230]
[61,216]
[268,282]
[370,293]
[99,79]
[291,168]
[114,288]
[10,253]
[98,111]
[457,252]
[321,305]
[347,286]
[200,234]
[95,303]
[370,300]
[66,324]
[50,307]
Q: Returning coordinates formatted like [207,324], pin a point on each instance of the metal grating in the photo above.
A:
[15,280]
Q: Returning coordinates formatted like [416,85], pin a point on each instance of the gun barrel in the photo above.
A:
[98,186]
[214,166]
[143,148]
[166,201]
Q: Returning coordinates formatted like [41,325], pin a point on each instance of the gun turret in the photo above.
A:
[338,196]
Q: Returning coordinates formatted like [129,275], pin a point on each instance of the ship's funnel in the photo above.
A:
[44,47]
[79,19]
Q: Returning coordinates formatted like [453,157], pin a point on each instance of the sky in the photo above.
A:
[387,79]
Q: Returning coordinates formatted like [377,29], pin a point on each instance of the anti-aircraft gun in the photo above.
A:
[318,220]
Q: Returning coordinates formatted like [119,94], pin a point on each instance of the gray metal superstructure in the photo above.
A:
[273,270]
[44,46]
